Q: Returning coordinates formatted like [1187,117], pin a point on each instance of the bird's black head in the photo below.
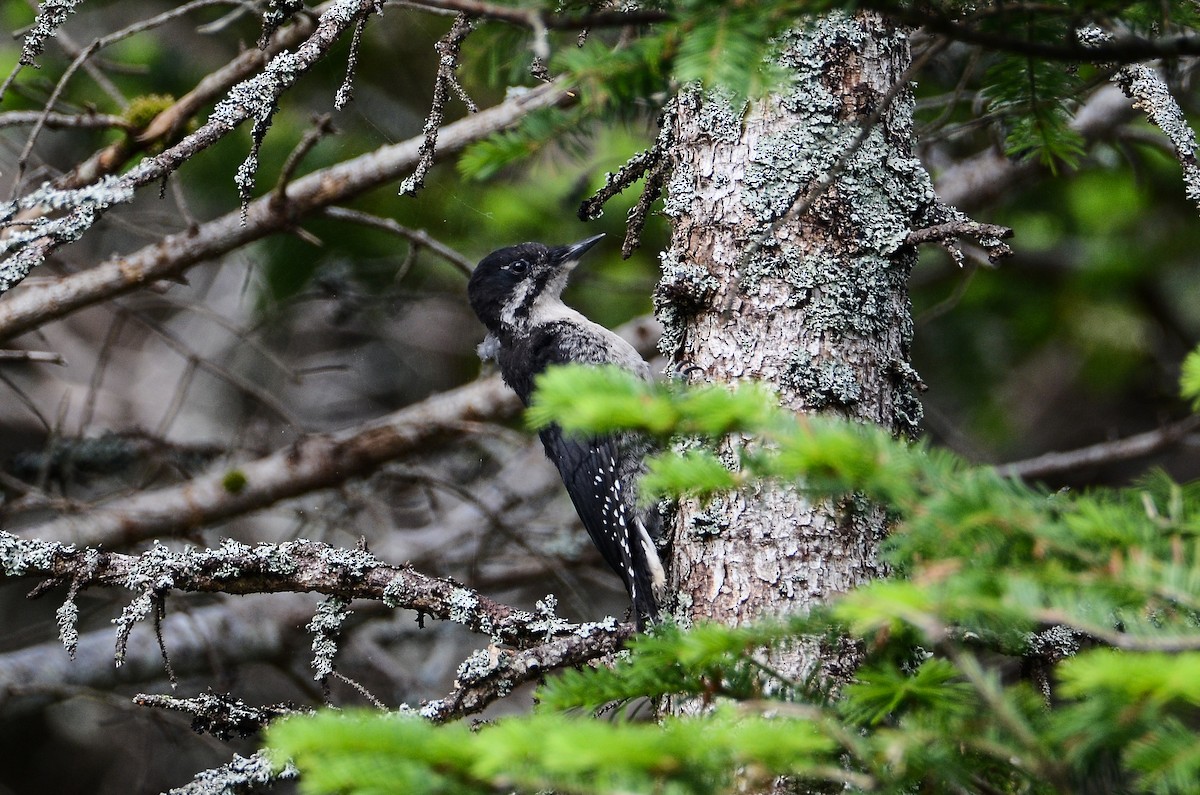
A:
[510,285]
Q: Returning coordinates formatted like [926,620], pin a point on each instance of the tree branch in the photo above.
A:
[174,254]
[249,99]
[313,462]
[1136,446]
[292,567]
[310,463]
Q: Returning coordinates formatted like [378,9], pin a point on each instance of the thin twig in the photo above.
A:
[87,52]
[448,49]
[322,126]
[63,121]
[524,18]
[31,356]
[417,237]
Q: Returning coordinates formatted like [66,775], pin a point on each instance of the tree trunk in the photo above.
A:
[812,301]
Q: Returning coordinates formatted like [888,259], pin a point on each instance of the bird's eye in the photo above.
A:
[518,267]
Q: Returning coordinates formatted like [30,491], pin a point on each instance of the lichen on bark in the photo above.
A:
[805,290]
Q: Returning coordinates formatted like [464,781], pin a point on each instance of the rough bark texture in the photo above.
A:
[813,303]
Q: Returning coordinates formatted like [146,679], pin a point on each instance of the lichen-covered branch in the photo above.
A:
[448,49]
[50,16]
[1151,95]
[491,674]
[254,98]
[243,776]
[990,236]
[174,254]
[653,164]
[220,714]
[295,566]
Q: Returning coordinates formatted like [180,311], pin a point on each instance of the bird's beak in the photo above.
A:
[574,251]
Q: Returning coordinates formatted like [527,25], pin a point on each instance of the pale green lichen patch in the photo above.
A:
[480,665]
[326,625]
[823,383]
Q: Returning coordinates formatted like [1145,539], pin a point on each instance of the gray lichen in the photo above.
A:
[51,14]
[396,593]
[275,13]
[83,206]
[823,382]
[686,286]
[482,664]
[907,410]
[326,626]
[711,520]
[67,619]
[431,710]
[464,606]
[243,774]
[21,556]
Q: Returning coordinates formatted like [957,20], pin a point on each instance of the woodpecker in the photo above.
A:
[516,292]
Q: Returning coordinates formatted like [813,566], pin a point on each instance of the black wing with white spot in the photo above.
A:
[604,495]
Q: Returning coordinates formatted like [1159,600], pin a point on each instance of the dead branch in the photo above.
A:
[312,462]
[448,49]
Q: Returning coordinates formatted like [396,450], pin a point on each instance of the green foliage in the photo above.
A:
[1189,379]
[730,46]
[707,661]
[1031,96]
[602,399]
[1101,590]
[537,131]
[368,753]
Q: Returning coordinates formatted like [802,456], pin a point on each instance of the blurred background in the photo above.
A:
[1075,340]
